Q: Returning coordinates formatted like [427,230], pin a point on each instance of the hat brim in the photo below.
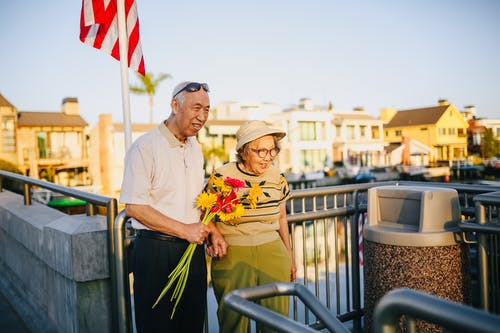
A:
[259,133]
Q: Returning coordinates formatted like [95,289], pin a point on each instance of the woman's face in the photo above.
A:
[253,162]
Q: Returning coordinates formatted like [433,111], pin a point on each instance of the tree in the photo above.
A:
[214,154]
[490,146]
[149,85]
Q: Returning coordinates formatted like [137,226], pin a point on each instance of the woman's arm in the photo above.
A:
[285,237]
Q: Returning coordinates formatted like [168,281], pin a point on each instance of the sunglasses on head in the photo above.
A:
[192,87]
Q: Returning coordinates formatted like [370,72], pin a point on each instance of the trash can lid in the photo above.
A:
[412,216]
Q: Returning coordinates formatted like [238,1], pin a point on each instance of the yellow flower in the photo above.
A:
[255,190]
[253,193]
[206,200]
[218,183]
[236,213]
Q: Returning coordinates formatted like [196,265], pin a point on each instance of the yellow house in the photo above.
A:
[46,145]
[8,121]
[441,127]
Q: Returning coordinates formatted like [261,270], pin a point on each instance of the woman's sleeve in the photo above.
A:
[285,189]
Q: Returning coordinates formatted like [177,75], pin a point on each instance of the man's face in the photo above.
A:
[191,112]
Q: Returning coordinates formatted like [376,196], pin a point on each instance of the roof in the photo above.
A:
[138,128]
[353,116]
[416,117]
[52,119]
[5,102]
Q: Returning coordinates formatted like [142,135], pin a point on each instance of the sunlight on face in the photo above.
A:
[255,164]
[193,112]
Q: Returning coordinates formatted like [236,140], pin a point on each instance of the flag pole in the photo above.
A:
[123,44]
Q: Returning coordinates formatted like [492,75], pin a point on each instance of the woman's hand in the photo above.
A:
[216,244]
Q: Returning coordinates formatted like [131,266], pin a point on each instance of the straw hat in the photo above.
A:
[255,129]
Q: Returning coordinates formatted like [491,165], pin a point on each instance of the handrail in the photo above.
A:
[124,312]
[483,204]
[453,316]
[92,201]
[240,301]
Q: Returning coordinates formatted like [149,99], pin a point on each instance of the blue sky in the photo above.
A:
[375,54]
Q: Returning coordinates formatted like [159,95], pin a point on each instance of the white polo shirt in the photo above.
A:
[162,172]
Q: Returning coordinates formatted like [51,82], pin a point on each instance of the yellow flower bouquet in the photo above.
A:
[218,200]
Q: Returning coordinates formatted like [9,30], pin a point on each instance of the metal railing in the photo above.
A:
[325,226]
[92,202]
[417,305]
[240,300]
[411,303]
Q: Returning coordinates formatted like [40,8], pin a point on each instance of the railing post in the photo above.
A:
[111,208]
[482,257]
[356,293]
[122,286]
[27,194]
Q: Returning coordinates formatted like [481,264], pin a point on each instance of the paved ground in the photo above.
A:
[10,322]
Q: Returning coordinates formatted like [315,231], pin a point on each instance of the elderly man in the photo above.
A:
[163,176]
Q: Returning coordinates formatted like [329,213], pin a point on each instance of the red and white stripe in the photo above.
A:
[99,29]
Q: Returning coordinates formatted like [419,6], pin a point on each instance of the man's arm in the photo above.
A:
[153,219]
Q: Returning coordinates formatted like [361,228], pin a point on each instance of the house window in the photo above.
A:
[307,130]
[350,132]
[442,131]
[338,131]
[8,134]
[362,131]
[451,131]
[313,159]
[423,129]
[398,133]
[42,144]
[375,132]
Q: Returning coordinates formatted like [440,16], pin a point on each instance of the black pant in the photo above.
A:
[153,261]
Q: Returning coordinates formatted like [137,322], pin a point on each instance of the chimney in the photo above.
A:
[359,109]
[70,106]
[387,113]
[306,104]
[443,102]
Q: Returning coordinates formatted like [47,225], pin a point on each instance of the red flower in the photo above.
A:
[235,183]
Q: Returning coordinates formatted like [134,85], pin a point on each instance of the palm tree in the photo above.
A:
[149,84]
[213,154]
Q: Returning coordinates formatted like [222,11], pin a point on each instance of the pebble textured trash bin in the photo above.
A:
[411,240]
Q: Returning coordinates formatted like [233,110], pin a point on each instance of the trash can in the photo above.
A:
[411,239]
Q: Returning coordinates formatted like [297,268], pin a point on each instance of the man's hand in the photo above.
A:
[196,233]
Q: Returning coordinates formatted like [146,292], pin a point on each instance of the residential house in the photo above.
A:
[307,146]
[46,145]
[218,137]
[358,138]
[8,144]
[441,127]
[107,148]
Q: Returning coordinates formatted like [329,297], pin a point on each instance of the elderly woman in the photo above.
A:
[259,250]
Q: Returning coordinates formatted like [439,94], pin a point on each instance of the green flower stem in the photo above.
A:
[181,272]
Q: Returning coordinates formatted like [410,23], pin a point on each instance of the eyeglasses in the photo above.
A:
[192,87]
[262,153]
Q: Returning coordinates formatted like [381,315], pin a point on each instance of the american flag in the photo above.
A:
[99,29]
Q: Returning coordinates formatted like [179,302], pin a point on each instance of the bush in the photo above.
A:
[10,184]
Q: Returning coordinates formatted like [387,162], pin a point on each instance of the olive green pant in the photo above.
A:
[249,266]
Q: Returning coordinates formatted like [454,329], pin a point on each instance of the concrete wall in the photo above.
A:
[54,267]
